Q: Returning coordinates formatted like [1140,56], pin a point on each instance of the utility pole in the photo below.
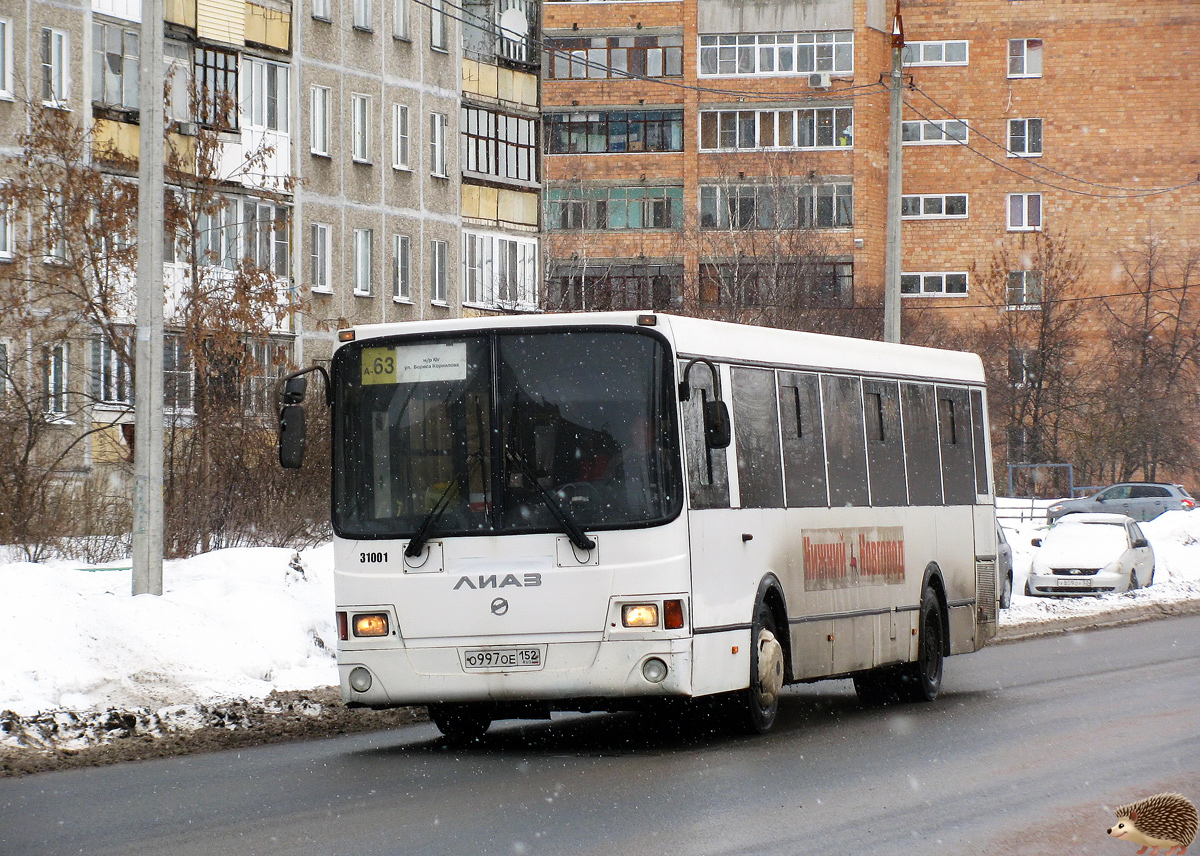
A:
[148,350]
[891,265]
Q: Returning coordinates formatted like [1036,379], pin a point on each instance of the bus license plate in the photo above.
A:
[488,659]
[1075,583]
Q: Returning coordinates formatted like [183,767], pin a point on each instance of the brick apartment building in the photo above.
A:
[686,139]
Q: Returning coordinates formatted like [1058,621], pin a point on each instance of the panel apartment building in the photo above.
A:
[686,141]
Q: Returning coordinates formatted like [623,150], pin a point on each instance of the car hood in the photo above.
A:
[1077,554]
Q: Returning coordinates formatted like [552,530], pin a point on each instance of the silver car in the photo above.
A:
[1091,554]
[1139,500]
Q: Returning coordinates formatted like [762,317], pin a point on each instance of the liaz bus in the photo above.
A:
[589,511]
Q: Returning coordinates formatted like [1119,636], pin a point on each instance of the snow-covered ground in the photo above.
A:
[241,623]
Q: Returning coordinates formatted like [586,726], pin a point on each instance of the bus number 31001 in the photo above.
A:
[371,558]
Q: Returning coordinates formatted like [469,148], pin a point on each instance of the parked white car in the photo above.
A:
[1091,554]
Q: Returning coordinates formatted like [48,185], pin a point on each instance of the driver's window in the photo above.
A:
[1118,492]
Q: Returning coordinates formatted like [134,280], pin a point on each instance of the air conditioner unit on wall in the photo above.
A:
[820,80]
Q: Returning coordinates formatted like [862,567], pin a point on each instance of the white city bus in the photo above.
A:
[584,512]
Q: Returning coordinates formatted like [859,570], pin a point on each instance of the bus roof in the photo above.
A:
[728,342]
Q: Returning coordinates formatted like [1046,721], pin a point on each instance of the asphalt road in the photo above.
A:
[1028,750]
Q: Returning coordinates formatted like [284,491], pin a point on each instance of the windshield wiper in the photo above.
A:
[577,536]
[417,544]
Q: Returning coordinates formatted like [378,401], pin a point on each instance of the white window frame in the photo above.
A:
[1023,129]
[939,201]
[438,162]
[5,364]
[1025,58]
[935,132]
[360,126]
[112,376]
[437,26]
[401,23]
[1023,209]
[318,121]
[320,265]
[748,54]
[364,240]
[266,82]
[6,60]
[933,283]
[400,138]
[56,72]
[439,271]
[925,53]
[179,375]
[499,271]
[363,14]
[1023,288]
[130,64]
[54,240]
[7,241]
[402,268]
[321,11]
[777,120]
[55,378]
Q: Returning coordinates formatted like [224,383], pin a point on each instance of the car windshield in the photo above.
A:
[1109,537]
[504,432]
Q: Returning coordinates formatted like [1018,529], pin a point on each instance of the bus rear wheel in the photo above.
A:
[922,680]
[460,723]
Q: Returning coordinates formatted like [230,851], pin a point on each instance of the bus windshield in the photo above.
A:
[487,433]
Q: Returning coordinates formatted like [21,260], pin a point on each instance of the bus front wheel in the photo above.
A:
[460,723]
[756,706]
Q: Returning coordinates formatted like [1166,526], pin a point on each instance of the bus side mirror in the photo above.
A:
[291,436]
[716,424]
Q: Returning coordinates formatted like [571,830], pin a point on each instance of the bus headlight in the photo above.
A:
[360,679]
[371,624]
[654,670]
[639,615]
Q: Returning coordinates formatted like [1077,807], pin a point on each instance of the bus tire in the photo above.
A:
[460,723]
[756,707]
[922,680]
[877,687]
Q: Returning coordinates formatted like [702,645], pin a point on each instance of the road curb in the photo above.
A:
[1132,614]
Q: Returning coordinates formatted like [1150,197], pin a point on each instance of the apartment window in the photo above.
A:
[614,208]
[217,82]
[178,66]
[267,102]
[748,283]
[729,130]
[777,53]
[1024,138]
[362,15]
[54,237]
[400,136]
[360,119]
[1024,212]
[115,65]
[321,11]
[362,261]
[934,132]
[499,272]
[179,376]
[1025,288]
[1024,57]
[266,364]
[499,144]
[935,53]
[633,131]
[437,25]
[400,22]
[54,379]
[761,206]
[939,284]
[1023,367]
[401,268]
[437,144]
[600,285]
[112,380]
[438,272]
[5,379]
[6,233]
[265,235]
[617,57]
[219,233]
[318,121]
[319,261]
[6,59]
[55,72]
[934,206]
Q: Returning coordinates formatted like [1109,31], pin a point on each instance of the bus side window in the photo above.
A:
[885,449]
[958,456]
[708,476]
[845,446]
[977,432]
[756,426]
[921,452]
[803,433]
